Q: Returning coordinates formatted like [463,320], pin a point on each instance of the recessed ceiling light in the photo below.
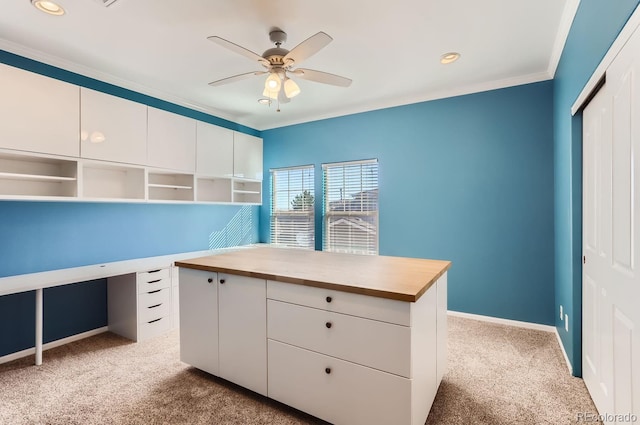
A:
[449,57]
[49,7]
[264,101]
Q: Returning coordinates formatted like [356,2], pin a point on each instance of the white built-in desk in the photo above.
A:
[38,281]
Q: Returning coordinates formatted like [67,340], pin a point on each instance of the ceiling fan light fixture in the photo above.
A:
[273,83]
[291,89]
[270,94]
[449,57]
[48,7]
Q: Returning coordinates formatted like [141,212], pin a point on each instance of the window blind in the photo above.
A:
[292,203]
[350,212]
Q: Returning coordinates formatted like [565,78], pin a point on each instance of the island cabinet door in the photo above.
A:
[199,319]
[243,331]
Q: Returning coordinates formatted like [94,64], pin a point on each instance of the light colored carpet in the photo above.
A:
[497,375]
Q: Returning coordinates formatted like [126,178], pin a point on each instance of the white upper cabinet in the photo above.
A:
[40,114]
[112,128]
[171,141]
[247,156]
[215,150]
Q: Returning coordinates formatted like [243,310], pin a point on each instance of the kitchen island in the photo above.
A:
[351,339]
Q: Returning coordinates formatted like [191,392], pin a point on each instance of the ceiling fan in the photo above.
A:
[281,63]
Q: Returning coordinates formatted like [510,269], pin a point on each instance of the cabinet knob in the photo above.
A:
[327,370]
[222,281]
[328,325]
[210,280]
[329,299]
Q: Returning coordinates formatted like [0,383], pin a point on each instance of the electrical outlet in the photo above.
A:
[561,315]
[566,323]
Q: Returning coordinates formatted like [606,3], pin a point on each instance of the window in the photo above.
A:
[292,219]
[350,207]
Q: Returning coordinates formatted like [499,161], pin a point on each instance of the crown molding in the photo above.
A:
[568,15]
[423,97]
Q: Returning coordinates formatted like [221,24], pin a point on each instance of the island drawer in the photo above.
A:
[154,279]
[383,309]
[337,391]
[372,343]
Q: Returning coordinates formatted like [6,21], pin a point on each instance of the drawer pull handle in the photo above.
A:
[154,306]
[156,320]
[210,280]
[154,271]
[329,299]
[328,325]
[222,281]
[153,292]
[327,370]
[155,281]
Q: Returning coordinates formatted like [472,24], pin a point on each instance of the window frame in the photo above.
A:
[275,214]
[368,215]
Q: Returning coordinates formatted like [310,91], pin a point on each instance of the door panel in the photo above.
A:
[622,185]
[611,220]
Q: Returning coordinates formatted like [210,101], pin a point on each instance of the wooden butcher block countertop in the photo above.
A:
[397,278]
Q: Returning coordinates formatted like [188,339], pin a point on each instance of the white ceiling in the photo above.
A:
[391,50]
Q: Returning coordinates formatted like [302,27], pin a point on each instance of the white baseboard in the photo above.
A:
[53,344]
[508,322]
[564,353]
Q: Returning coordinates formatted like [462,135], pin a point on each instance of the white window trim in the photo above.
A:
[275,214]
[326,214]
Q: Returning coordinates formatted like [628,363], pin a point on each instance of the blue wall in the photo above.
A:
[468,179]
[595,27]
[40,236]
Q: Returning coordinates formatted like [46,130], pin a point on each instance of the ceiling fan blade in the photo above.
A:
[235,78]
[322,77]
[239,49]
[307,48]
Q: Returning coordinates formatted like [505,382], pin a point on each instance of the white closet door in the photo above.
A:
[611,238]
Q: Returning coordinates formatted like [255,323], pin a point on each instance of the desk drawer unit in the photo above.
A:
[139,304]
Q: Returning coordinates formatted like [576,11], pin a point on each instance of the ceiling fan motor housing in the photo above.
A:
[274,55]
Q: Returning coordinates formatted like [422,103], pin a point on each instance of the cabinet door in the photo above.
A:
[112,128]
[243,331]
[39,114]
[171,141]
[214,150]
[247,156]
[199,319]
